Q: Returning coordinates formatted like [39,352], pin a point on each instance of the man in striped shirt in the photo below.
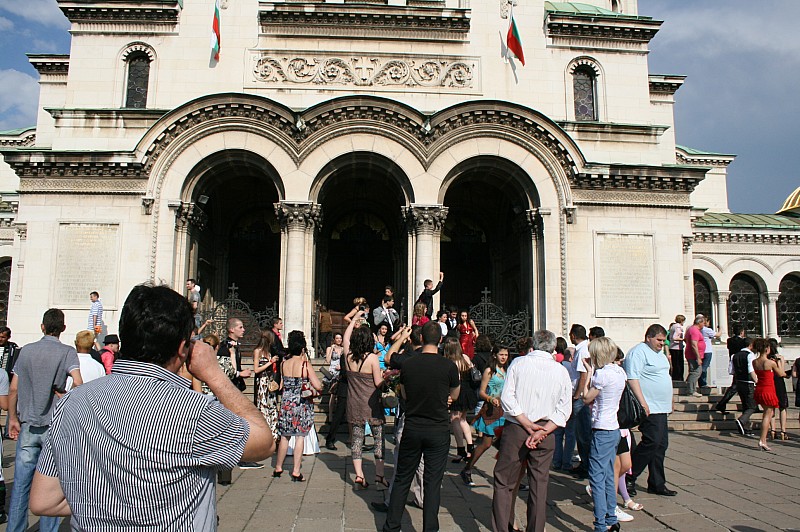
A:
[139,449]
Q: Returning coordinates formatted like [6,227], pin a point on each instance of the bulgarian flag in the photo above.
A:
[513,41]
[215,40]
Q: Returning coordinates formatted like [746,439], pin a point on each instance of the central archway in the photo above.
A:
[363,242]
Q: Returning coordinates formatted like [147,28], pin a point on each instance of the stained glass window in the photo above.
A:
[789,307]
[584,91]
[5,288]
[138,79]
[702,296]
[744,305]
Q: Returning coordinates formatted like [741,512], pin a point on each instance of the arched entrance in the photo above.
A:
[488,237]
[233,234]
[362,245]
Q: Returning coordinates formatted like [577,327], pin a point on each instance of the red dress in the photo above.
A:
[765,389]
[467,339]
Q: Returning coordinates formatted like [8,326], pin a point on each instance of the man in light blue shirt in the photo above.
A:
[648,376]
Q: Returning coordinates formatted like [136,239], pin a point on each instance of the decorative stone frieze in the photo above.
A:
[425,219]
[570,25]
[746,238]
[298,215]
[665,84]
[368,20]
[147,11]
[189,214]
[630,197]
[50,63]
[324,70]
[640,178]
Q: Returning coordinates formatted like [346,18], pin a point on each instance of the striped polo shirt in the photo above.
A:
[139,449]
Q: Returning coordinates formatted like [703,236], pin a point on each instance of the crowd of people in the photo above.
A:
[137,434]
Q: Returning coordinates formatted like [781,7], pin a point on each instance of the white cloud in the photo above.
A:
[5,24]
[45,12]
[19,98]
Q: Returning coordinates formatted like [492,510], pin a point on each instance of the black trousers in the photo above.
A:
[746,392]
[336,418]
[434,446]
[650,452]
[677,364]
[729,393]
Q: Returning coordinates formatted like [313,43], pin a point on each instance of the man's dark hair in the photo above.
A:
[427,282]
[53,321]
[386,299]
[389,287]
[578,331]
[275,321]
[596,332]
[416,335]
[94,294]
[525,344]
[654,330]
[483,344]
[5,330]
[737,329]
[190,280]
[442,313]
[431,333]
[453,309]
[231,323]
[296,343]
[153,323]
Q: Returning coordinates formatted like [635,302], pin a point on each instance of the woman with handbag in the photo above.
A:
[364,379]
[491,414]
[467,333]
[603,389]
[296,418]
[467,398]
[265,368]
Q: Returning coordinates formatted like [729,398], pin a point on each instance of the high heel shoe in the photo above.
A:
[361,481]
[277,474]
[784,436]
[381,483]
[764,447]
[771,435]
[298,478]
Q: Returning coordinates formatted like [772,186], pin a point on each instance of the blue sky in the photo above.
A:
[742,59]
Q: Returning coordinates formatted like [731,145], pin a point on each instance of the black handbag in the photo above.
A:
[631,412]
[475,374]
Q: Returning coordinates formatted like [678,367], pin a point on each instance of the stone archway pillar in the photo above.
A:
[722,312]
[772,315]
[298,220]
[426,222]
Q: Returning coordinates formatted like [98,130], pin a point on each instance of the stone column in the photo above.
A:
[535,226]
[722,312]
[772,315]
[298,220]
[188,217]
[426,221]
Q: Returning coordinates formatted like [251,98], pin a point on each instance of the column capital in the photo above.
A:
[687,244]
[298,215]
[772,297]
[723,295]
[425,219]
[188,213]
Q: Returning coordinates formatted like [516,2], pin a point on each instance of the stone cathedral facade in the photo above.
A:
[338,146]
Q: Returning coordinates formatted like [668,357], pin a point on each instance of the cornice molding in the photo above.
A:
[121,11]
[665,84]
[561,25]
[703,160]
[305,18]
[724,237]
[650,178]
[55,64]
[24,140]
[609,128]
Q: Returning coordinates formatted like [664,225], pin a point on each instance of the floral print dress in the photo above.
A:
[296,414]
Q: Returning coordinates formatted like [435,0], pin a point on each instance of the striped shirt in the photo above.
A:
[139,449]
[539,387]
[95,310]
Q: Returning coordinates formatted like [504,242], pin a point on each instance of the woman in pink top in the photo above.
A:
[695,347]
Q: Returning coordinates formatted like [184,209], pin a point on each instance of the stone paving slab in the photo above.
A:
[724,483]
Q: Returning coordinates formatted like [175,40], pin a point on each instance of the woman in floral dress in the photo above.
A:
[265,368]
[296,416]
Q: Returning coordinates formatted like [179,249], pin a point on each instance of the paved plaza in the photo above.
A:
[724,483]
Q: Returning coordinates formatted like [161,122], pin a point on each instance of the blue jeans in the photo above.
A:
[706,364]
[601,477]
[582,419]
[29,446]
[565,444]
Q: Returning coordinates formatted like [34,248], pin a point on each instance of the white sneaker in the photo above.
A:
[697,394]
[622,516]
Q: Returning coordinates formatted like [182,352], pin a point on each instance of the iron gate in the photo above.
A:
[501,327]
[232,307]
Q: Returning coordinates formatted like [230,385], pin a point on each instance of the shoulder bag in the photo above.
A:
[306,390]
[631,412]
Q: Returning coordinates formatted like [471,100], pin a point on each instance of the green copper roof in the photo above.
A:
[578,8]
[755,221]
[693,151]
[16,132]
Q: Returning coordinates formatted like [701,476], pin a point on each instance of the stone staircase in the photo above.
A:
[697,413]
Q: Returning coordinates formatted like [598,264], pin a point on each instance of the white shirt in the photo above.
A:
[443,326]
[581,352]
[610,380]
[539,387]
[750,358]
[90,369]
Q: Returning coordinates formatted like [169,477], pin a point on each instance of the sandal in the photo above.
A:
[771,435]
[277,474]
[362,482]
[784,436]
[630,504]
[381,483]
[298,478]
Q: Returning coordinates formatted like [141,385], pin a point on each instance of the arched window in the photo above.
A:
[744,305]
[702,296]
[789,307]
[5,289]
[585,93]
[138,80]
[616,8]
